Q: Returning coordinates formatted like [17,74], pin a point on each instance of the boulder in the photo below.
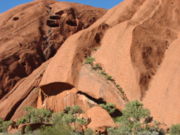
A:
[99,118]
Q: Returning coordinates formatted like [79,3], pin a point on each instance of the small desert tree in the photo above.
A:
[134,121]
[34,115]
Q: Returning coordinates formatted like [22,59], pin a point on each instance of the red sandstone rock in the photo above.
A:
[137,45]
[132,41]
[23,94]
[99,118]
[31,33]
[96,86]
[59,101]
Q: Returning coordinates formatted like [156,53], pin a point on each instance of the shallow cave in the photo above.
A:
[52,23]
[71,23]
[99,101]
[15,18]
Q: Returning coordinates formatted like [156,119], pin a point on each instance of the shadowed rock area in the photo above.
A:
[44,46]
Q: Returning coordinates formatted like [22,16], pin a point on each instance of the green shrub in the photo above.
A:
[108,77]
[66,118]
[4,125]
[28,129]
[89,132]
[59,121]
[34,115]
[89,60]
[134,121]
[82,121]
[175,129]
[97,67]
[119,131]
[134,112]
[61,129]
[108,107]
[73,109]
[103,73]
[57,118]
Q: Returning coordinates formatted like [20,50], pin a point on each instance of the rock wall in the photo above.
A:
[135,43]
[32,33]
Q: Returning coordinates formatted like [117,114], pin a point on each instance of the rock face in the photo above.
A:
[30,34]
[24,93]
[132,41]
[60,100]
[135,42]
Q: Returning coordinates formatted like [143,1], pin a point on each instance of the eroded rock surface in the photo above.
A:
[135,42]
[131,42]
[99,118]
[24,93]
[31,33]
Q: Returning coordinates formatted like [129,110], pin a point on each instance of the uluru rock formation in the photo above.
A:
[32,33]
[134,50]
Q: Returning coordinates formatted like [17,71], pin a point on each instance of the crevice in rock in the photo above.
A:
[147,51]
[100,101]
[97,101]
[52,23]
[54,17]
[92,40]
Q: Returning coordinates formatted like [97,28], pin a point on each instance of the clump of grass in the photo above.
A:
[108,77]
[89,60]
[97,67]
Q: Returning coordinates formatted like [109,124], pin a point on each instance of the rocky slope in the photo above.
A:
[134,45]
[32,33]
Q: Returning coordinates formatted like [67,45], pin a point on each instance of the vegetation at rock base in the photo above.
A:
[175,129]
[4,125]
[135,120]
[35,116]
[45,122]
